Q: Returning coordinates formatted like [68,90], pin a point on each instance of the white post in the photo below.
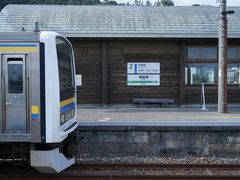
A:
[204,108]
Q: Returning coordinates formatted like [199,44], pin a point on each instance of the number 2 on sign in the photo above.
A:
[130,66]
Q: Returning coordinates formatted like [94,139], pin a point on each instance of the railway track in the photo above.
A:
[134,171]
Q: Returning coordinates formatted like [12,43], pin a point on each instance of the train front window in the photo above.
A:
[64,64]
[66,79]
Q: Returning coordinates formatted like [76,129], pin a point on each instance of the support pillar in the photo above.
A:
[104,73]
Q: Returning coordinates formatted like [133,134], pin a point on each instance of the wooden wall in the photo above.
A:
[89,54]
[121,52]
[193,94]
[88,57]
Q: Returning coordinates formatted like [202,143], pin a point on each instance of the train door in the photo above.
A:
[14,94]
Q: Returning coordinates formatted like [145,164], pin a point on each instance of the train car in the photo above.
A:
[37,95]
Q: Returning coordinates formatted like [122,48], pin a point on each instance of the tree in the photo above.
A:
[138,3]
[92,2]
[36,2]
[6,2]
[157,3]
[167,3]
[107,2]
[196,5]
[73,2]
[148,3]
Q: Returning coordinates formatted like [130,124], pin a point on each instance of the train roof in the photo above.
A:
[119,21]
[19,36]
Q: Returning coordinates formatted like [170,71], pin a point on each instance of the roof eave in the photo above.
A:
[147,35]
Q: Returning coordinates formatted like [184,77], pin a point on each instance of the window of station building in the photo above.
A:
[201,53]
[209,53]
[233,74]
[233,67]
[201,73]
[232,53]
[204,69]
[193,53]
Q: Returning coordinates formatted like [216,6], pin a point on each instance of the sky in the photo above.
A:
[190,2]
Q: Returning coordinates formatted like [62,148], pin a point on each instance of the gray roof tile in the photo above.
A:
[118,21]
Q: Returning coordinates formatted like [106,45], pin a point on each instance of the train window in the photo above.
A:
[15,76]
[65,66]
[66,78]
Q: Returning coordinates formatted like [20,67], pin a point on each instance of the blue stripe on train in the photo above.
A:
[34,116]
[67,107]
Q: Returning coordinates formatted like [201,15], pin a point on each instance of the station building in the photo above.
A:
[126,52]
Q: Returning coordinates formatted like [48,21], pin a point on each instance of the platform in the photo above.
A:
[131,116]
[158,135]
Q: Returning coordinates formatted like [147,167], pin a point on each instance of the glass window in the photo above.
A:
[193,74]
[232,53]
[233,74]
[66,78]
[64,55]
[205,72]
[15,76]
[209,73]
[193,53]
[201,73]
[209,53]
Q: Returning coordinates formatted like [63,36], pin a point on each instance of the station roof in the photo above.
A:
[119,21]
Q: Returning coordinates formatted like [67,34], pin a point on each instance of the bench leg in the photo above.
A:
[141,105]
[164,105]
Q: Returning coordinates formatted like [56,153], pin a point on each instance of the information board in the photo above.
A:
[143,80]
[78,80]
[143,68]
[143,74]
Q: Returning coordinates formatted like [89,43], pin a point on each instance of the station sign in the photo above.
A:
[143,74]
[143,68]
[143,80]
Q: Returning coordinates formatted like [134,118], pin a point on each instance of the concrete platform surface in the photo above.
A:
[157,116]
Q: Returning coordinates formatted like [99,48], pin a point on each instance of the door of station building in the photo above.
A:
[14,94]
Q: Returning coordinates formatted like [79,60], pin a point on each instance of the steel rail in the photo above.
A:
[135,171]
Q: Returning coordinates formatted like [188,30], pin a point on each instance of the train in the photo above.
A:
[38,95]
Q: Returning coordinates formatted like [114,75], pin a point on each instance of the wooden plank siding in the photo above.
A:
[88,57]
[121,52]
[193,94]
[90,53]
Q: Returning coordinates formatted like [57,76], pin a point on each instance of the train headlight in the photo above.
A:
[72,112]
[62,118]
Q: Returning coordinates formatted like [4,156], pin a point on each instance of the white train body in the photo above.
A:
[55,131]
[37,93]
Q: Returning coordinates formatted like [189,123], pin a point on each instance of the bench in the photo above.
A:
[143,101]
